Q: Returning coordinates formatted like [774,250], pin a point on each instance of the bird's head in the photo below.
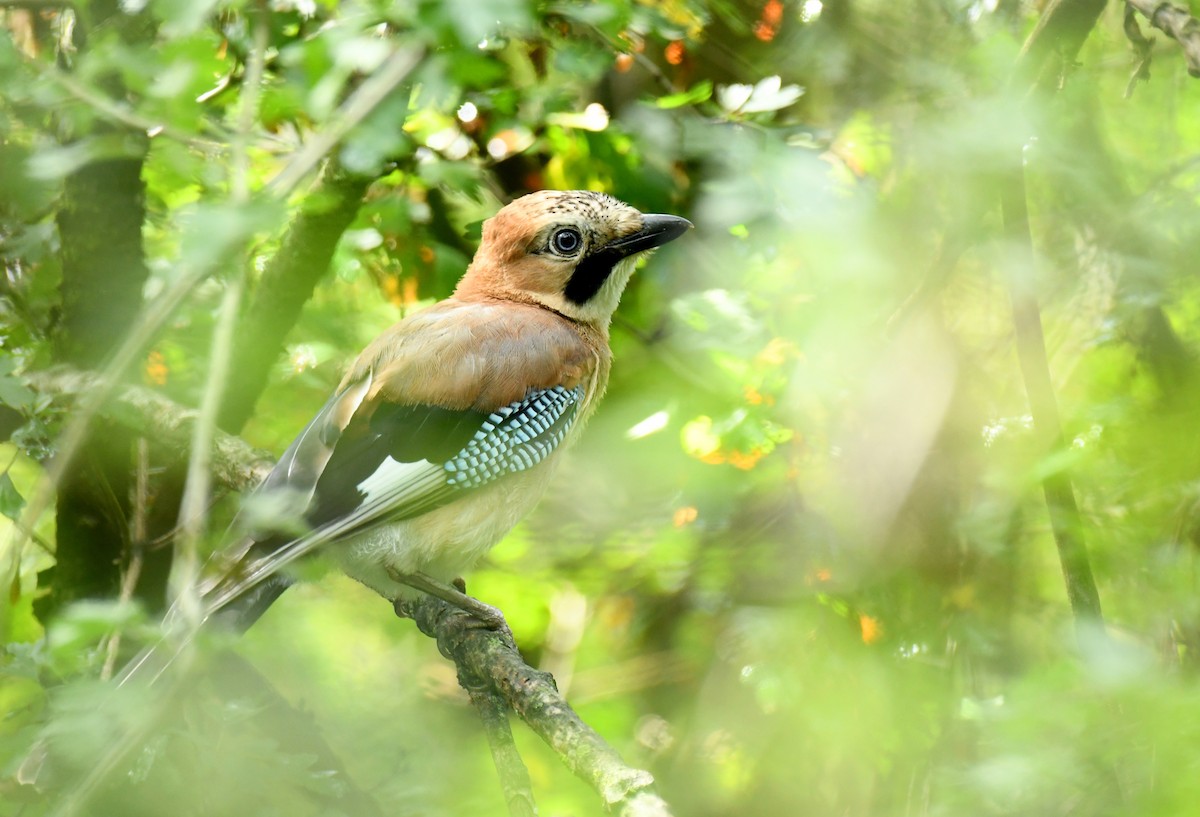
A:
[570,250]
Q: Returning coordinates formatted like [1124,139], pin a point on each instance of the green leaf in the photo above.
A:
[214,233]
[13,392]
[700,92]
[183,16]
[596,14]
[56,163]
[16,188]
[11,501]
[477,20]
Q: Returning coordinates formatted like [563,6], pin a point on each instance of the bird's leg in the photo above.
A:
[485,614]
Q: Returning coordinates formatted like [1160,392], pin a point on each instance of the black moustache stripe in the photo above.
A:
[590,274]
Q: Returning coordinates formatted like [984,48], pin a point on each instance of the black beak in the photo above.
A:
[656,231]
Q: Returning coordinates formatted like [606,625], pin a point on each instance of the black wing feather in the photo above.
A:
[403,433]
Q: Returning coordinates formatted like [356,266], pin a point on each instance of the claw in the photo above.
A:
[481,615]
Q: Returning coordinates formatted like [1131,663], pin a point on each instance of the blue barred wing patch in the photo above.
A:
[515,438]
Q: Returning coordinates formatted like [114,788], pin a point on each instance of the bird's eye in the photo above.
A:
[566,242]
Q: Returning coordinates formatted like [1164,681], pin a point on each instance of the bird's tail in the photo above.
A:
[223,609]
[235,617]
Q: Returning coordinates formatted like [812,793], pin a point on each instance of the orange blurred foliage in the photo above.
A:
[745,460]
[400,291]
[156,369]
[777,352]
[756,398]
[684,516]
[870,627]
[768,23]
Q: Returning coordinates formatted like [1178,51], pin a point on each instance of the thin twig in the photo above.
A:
[137,550]
[1177,23]
[120,113]
[1060,33]
[1142,46]
[493,713]
[33,536]
[357,107]
[239,185]
[1065,520]
[193,508]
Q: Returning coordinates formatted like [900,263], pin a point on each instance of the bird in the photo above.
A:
[445,431]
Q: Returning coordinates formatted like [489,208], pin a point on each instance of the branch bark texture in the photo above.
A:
[236,465]
[486,654]
[1060,33]
[286,285]
[1177,23]
[1065,521]
[100,229]
[1055,41]
[493,713]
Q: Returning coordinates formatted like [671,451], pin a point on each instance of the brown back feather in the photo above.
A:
[480,355]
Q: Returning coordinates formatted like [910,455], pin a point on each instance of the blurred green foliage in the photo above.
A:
[801,562]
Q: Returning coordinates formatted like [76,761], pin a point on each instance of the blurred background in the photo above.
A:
[800,563]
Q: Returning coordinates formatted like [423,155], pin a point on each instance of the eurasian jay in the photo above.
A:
[445,430]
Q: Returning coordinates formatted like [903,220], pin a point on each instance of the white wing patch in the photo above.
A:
[411,487]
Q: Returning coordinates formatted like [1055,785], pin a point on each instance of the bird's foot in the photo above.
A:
[481,615]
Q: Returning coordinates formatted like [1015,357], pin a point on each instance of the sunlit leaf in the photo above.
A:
[13,392]
[700,92]
[11,501]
